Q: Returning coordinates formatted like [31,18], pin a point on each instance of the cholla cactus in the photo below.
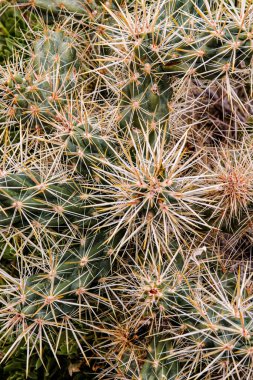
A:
[126,191]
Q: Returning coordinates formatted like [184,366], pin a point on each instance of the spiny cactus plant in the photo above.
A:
[36,89]
[126,190]
[76,6]
[46,302]
[150,192]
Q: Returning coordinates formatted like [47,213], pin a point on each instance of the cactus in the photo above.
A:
[154,367]
[34,92]
[219,327]
[37,94]
[149,193]
[125,191]
[51,296]
[30,200]
[76,6]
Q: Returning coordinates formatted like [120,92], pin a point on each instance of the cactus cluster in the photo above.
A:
[126,173]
